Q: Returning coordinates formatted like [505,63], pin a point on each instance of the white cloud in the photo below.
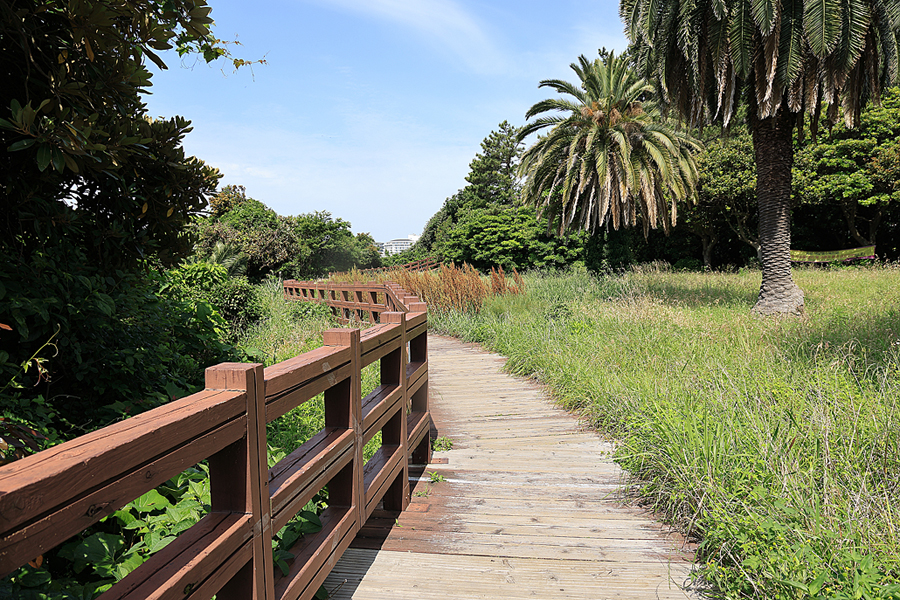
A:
[442,23]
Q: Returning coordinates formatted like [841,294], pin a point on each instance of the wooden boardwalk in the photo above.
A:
[529,506]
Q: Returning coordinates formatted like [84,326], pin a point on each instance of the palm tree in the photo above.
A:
[608,156]
[784,58]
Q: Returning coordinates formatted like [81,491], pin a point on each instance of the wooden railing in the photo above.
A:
[52,495]
[355,301]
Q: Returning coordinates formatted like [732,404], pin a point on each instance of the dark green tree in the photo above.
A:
[492,180]
[301,247]
[727,191]
[855,169]
[493,177]
[92,193]
[781,57]
[78,148]
[511,237]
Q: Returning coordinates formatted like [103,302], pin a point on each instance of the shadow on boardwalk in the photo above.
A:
[525,505]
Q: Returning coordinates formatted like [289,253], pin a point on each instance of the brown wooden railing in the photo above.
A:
[355,301]
[52,495]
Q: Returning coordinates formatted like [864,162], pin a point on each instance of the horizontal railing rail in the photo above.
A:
[355,301]
[50,496]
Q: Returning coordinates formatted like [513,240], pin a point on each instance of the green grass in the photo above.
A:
[775,442]
[288,329]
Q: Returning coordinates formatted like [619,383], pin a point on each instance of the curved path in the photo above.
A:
[527,505]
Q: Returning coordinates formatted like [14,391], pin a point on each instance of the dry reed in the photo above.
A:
[450,287]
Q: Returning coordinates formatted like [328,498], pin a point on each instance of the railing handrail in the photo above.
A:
[360,301]
[54,494]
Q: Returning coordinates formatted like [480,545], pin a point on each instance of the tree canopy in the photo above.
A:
[858,169]
[79,155]
[303,246]
[608,155]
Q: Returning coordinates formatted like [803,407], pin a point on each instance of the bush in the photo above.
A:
[116,347]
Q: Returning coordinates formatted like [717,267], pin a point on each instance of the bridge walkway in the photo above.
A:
[525,505]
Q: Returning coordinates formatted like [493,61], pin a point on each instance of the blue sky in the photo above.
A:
[372,109]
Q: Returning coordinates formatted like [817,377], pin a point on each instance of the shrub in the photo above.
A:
[117,347]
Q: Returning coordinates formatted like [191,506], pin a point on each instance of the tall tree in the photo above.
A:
[784,58]
[608,156]
[492,181]
[493,177]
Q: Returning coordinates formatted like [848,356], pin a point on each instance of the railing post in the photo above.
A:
[397,496]
[347,413]
[418,352]
[239,480]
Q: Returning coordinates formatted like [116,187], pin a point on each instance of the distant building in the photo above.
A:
[399,245]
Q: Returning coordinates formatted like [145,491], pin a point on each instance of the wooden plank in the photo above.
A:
[377,335]
[414,319]
[300,369]
[315,552]
[38,484]
[298,476]
[174,572]
[239,475]
[381,469]
[414,384]
[384,349]
[378,406]
[523,486]
[414,330]
[278,405]
[415,370]
[38,536]
[418,424]
[374,575]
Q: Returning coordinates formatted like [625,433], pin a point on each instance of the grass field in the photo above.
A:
[775,442]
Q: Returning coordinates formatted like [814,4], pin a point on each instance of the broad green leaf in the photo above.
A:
[21,145]
[126,565]
[124,516]
[150,501]
[56,157]
[311,517]
[43,157]
[31,577]
[99,551]
[161,543]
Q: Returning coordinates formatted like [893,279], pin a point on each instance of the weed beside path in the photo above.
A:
[775,441]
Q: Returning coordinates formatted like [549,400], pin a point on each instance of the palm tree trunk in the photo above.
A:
[773,146]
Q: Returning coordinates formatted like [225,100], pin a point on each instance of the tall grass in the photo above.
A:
[450,287]
[775,442]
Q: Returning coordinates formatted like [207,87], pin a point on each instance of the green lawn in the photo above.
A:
[775,442]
